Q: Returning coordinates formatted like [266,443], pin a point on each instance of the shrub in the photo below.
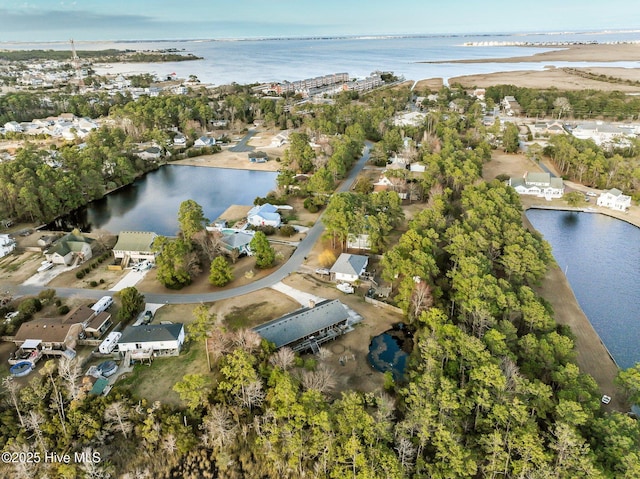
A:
[80,274]
[101,281]
[64,309]
[46,295]
[268,230]
[287,230]
[310,206]
[30,306]
[58,302]
[93,284]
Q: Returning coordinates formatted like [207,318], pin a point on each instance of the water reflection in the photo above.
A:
[390,351]
[151,203]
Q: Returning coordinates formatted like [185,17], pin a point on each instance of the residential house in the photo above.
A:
[179,140]
[55,336]
[614,199]
[258,157]
[264,215]
[204,141]
[308,327]
[151,340]
[93,324]
[349,267]
[134,246]
[7,245]
[538,184]
[150,153]
[238,241]
[511,106]
[70,248]
[13,127]
[601,133]
[391,183]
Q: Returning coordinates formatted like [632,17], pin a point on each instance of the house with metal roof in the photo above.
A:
[151,340]
[264,215]
[134,246]
[238,241]
[307,328]
[349,267]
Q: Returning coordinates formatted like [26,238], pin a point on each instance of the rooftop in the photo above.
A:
[151,333]
[353,264]
[134,241]
[301,323]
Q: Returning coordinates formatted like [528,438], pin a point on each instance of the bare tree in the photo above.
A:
[252,395]
[247,339]
[34,421]
[322,379]
[118,412]
[70,372]
[218,428]
[218,344]
[421,299]
[283,358]
[12,387]
[210,242]
[406,452]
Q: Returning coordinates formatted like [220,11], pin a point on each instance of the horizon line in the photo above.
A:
[355,36]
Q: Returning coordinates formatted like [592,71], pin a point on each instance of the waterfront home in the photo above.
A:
[151,340]
[349,267]
[258,157]
[308,327]
[134,246]
[204,141]
[538,184]
[237,241]
[13,127]
[179,140]
[614,199]
[601,133]
[150,153]
[72,247]
[264,215]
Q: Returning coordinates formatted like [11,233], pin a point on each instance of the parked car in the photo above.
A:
[147,317]
[345,288]
[323,271]
[591,193]
[606,399]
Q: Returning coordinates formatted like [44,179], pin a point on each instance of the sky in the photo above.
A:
[86,20]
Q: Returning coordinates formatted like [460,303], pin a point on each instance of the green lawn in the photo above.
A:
[155,382]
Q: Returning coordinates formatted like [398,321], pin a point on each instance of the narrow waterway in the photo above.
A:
[600,256]
[151,203]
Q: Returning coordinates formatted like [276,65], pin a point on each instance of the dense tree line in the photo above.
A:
[579,104]
[585,162]
[33,190]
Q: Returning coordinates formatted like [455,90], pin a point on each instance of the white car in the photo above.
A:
[10,316]
[606,399]
[45,265]
[345,288]
[591,193]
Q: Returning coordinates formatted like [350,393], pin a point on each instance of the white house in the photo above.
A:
[614,199]
[179,140]
[146,341]
[264,215]
[601,133]
[349,267]
[538,184]
[13,126]
[204,141]
[7,245]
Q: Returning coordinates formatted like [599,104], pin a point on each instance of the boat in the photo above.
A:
[45,265]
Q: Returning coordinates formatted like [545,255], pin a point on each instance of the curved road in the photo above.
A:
[292,265]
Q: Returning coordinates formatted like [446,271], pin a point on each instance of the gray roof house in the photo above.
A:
[307,328]
[349,267]
[239,241]
[150,340]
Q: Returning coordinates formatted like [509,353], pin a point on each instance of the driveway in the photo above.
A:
[242,146]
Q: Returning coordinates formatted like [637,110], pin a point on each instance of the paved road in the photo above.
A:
[241,146]
[291,266]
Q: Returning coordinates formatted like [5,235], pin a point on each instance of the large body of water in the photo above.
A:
[601,258]
[257,61]
[151,203]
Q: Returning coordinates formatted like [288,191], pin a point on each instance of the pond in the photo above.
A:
[600,257]
[151,203]
[390,351]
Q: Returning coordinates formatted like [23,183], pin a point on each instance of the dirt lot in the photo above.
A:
[262,140]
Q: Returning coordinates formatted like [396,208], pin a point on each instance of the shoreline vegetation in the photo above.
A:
[102,56]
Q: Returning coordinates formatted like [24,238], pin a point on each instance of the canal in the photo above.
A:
[600,256]
[151,203]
